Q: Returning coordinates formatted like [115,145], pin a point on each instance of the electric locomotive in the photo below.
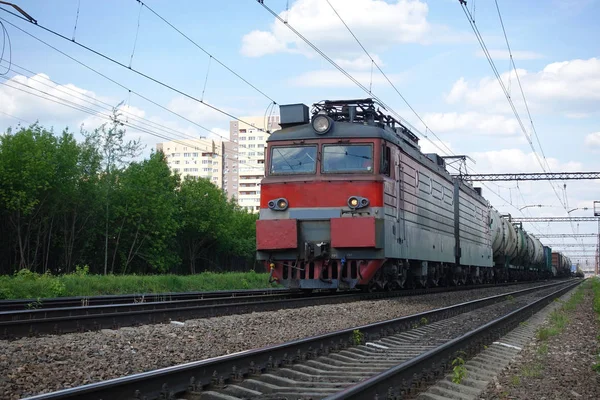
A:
[350,201]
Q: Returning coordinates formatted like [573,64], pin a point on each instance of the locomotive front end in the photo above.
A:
[321,222]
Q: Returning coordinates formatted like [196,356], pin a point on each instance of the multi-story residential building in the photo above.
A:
[246,155]
[198,158]
[237,166]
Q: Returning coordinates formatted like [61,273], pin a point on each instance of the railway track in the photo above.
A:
[20,323]
[86,301]
[383,360]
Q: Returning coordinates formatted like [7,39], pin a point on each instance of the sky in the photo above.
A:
[427,49]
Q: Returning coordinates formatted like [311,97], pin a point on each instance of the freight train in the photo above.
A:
[350,201]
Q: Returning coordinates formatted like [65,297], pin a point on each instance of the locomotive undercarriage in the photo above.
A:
[407,274]
[392,275]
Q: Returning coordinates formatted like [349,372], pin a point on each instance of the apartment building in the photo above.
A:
[244,159]
[236,166]
[199,158]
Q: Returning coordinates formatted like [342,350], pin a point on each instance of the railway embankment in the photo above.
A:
[563,361]
[34,365]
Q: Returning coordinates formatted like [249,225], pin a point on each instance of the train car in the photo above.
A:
[350,201]
[562,264]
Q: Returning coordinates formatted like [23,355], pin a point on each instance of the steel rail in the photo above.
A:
[80,301]
[196,376]
[16,324]
[412,376]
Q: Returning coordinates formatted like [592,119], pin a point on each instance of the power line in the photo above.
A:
[78,107]
[506,94]
[155,80]
[386,77]
[343,71]
[206,52]
[116,82]
[15,117]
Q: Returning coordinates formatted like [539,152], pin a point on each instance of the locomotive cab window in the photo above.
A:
[293,160]
[385,160]
[347,158]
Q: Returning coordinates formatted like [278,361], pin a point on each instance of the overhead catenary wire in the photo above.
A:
[345,73]
[506,94]
[105,114]
[205,51]
[373,62]
[119,84]
[142,74]
[5,40]
[544,164]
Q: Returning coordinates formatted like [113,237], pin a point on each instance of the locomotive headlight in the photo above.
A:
[321,124]
[280,204]
[355,202]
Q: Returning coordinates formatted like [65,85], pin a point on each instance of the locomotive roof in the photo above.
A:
[296,126]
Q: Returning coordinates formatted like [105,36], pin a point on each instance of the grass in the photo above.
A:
[557,322]
[29,285]
[595,284]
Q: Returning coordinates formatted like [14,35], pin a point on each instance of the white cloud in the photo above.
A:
[593,140]
[472,123]
[334,78]
[566,87]
[505,55]
[150,129]
[435,146]
[377,23]
[24,97]
[515,160]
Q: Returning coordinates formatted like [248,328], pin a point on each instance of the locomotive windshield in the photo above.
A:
[293,160]
[347,158]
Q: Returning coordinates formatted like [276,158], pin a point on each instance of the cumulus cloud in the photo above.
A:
[377,23]
[593,140]
[505,55]
[435,146]
[39,99]
[515,160]
[472,123]
[567,87]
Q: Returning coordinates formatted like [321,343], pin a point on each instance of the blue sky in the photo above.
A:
[427,48]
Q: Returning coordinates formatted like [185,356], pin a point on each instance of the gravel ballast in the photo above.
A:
[30,366]
[558,368]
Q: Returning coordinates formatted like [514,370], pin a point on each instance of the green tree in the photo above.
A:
[205,215]
[147,215]
[115,152]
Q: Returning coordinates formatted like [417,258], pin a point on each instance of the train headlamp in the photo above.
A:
[355,202]
[321,124]
[280,204]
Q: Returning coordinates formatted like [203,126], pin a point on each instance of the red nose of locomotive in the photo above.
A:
[321,220]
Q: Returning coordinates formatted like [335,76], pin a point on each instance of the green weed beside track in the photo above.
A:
[26,284]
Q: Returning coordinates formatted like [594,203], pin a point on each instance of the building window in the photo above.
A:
[251,146]
[251,137]
[186,154]
[260,145]
[242,131]
[195,154]
[242,137]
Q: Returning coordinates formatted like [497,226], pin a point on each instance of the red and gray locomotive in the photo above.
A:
[350,201]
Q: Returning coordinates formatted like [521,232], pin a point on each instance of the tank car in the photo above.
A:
[349,201]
